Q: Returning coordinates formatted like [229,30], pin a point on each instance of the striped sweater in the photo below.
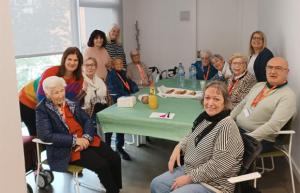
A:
[116,50]
[217,156]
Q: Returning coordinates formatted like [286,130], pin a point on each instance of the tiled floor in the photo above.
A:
[151,160]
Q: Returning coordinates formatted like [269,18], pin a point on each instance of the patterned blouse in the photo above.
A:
[116,50]
[238,90]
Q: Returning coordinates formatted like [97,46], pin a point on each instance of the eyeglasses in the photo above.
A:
[90,65]
[257,38]
[275,68]
[237,63]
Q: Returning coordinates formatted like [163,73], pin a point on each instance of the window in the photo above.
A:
[43,27]
[30,68]
[42,31]
[98,14]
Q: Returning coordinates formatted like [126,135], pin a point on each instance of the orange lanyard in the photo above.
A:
[205,76]
[231,86]
[125,83]
[141,71]
[263,94]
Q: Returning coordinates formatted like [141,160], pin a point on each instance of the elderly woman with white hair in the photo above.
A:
[64,124]
[241,80]
[114,46]
[205,70]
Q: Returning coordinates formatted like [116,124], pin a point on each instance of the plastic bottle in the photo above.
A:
[152,102]
[192,75]
[181,75]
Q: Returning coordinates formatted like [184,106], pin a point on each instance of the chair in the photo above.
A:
[153,69]
[170,73]
[29,157]
[45,177]
[282,148]
[252,148]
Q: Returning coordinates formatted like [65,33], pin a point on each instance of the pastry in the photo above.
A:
[192,93]
[181,92]
[170,91]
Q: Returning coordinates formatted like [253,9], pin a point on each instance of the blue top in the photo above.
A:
[202,70]
[116,87]
[52,128]
[260,64]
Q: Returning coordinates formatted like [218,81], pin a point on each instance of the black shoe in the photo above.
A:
[124,154]
[148,140]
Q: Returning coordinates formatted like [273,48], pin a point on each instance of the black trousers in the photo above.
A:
[28,117]
[106,163]
[119,139]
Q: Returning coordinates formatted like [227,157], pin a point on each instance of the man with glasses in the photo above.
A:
[268,106]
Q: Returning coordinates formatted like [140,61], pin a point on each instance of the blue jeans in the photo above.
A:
[163,183]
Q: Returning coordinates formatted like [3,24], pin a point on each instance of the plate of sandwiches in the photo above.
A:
[164,91]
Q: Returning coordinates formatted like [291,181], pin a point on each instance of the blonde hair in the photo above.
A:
[251,50]
[93,59]
[53,82]
[238,55]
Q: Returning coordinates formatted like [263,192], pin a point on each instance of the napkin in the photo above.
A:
[158,115]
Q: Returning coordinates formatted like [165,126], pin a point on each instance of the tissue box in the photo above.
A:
[126,101]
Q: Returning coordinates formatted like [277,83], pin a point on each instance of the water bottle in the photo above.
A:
[181,75]
[192,75]
[190,72]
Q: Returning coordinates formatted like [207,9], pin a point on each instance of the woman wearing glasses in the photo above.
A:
[259,56]
[241,80]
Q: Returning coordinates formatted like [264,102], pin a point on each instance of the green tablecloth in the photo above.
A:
[136,120]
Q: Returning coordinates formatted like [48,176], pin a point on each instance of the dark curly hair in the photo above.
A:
[95,34]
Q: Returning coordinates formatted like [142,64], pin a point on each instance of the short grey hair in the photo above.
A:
[217,56]
[134,52]
[207,52]
[53,82]
[220,86]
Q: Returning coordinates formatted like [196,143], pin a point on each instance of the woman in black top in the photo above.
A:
[259,56]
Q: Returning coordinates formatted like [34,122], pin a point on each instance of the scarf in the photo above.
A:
[214,121]
[96,91]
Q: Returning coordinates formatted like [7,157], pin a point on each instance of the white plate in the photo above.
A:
[162,93]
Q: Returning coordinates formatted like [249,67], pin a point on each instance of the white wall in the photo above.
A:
[165,40]
[280,21]
[223,27]
[12,175]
